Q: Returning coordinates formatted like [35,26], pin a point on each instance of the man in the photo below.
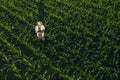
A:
[39,29]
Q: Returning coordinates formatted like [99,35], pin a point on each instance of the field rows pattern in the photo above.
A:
[82,40]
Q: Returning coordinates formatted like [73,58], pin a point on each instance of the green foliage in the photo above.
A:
[81,40]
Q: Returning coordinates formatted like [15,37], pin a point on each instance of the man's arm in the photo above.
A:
[36,29]
[43,27]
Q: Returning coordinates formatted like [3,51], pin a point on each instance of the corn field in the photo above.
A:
[82,40]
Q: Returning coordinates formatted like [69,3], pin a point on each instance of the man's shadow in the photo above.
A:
[41,11]
[41,16]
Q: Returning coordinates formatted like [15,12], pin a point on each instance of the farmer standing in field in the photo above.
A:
[39,29]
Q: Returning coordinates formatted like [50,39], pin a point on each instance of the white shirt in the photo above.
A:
[41,28]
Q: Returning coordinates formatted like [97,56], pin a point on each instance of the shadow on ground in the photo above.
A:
[41,11]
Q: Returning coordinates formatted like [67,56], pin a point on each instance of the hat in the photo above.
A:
[38,23]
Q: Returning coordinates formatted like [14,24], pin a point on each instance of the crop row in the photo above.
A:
[82,14]
[28,15]
[88,16]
